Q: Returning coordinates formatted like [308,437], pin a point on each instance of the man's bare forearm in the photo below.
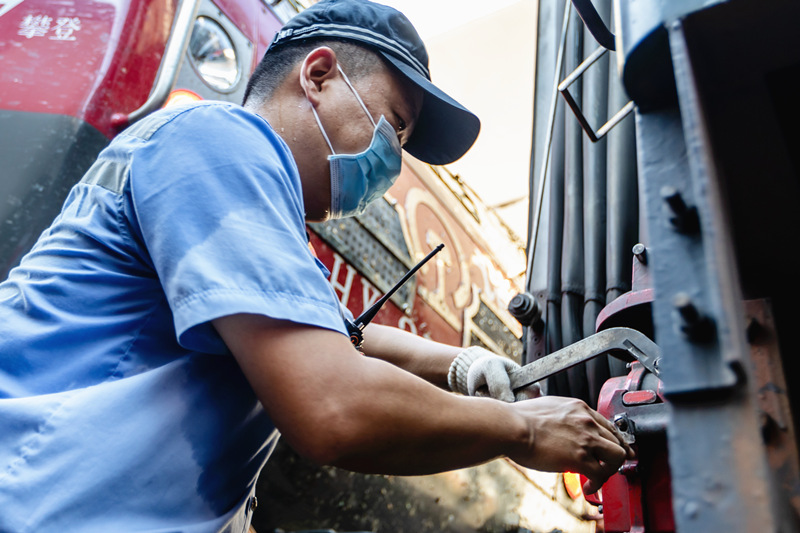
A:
[401,425]
[337,407]
[425,358]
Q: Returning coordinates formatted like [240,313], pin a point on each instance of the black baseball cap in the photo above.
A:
[445,129]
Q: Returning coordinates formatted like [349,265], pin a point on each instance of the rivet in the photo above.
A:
[685,218]
[696,326]
[640,252]
[753,330]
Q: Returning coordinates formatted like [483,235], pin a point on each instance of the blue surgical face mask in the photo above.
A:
[358,179]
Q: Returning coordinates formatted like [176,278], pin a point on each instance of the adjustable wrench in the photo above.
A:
[611,341]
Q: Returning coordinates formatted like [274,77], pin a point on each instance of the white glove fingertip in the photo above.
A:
[492,371]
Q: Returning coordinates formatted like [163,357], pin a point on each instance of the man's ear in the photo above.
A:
[319,66]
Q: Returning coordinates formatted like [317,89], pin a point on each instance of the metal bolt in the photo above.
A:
[696,326]
[753,330]
[640,252]
[684,219]
[685,306]
[621,421]
[691,510]
[674,199]
[524,308]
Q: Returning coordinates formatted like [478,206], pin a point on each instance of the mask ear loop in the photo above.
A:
[304,85]
[360,101]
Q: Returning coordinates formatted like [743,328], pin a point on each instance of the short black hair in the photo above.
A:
[357,60]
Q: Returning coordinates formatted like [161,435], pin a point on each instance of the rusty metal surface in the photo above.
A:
[775,413]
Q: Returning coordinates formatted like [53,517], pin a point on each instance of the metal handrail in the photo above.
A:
[534,233]
[170,63]
[591,19]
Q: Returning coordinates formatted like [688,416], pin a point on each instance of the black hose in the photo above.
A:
[558,384]
[595,108]
[572,274]
[623,207]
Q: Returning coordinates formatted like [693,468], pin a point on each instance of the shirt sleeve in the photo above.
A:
[218,201]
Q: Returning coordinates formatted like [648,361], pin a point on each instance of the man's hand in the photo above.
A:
[568,436]
[479,372]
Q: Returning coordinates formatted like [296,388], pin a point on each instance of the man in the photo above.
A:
[172,319]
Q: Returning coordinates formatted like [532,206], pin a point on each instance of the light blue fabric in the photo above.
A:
[120,406]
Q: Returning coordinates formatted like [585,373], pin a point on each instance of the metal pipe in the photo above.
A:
[622,202]
[555,226]
[536,210]
[623,211]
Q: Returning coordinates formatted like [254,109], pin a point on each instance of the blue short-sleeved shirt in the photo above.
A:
[120,407]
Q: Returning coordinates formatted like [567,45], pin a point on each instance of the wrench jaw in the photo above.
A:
[651,359]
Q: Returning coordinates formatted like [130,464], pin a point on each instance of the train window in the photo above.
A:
[213,55]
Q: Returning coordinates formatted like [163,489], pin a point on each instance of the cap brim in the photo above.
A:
[445,129]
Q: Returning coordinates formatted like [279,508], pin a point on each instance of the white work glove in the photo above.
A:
[478,372]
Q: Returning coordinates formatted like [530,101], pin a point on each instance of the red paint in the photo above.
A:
[639,397]
[425,321]
[111,64]
[108,67]
[640,497]
[258,23]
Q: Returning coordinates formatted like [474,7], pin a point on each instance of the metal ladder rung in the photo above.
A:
[574,76]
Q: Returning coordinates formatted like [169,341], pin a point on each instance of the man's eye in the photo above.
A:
[401,127]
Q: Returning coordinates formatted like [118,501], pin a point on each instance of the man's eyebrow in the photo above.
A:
[412,106]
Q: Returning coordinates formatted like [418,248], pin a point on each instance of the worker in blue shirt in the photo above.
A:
[172,320]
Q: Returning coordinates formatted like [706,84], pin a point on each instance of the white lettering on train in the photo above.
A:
[342,288]
[41,25]
[369,294]
[65,28]
[34,26]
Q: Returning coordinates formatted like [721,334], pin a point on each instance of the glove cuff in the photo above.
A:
[457,375]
